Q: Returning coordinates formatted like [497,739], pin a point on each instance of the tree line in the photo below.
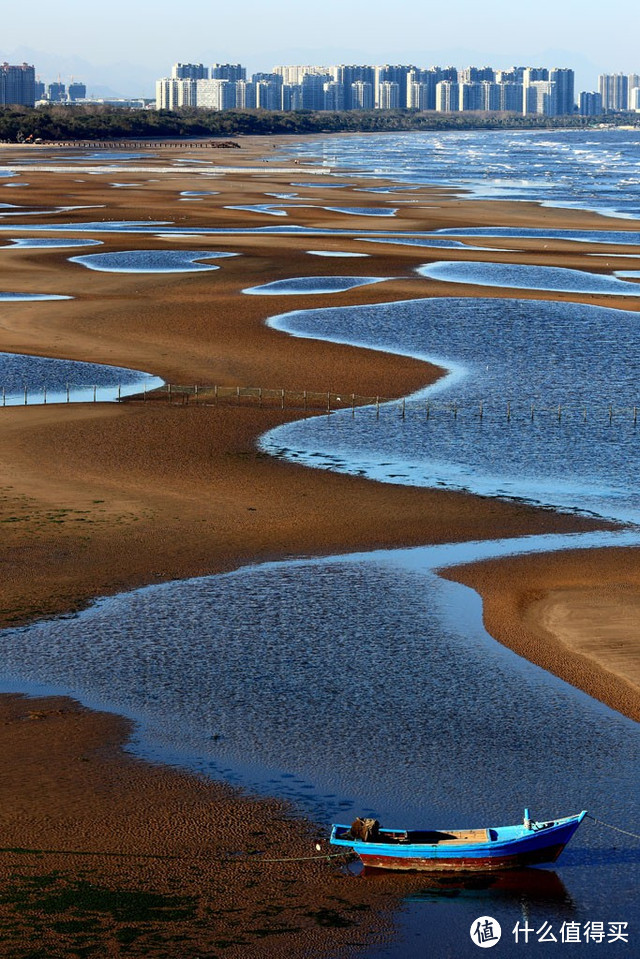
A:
[98,122]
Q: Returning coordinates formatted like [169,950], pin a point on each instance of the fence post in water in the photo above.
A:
[481,410]
[403,407]
[635,415]
[4,398]
[67,392]
[44,395]
[508,412]
[377,407]
[119,392]
[428,409]
[25,395]
[584,415]
[144,392]
[559,413]
[353,404]
[94,393]
[455,410]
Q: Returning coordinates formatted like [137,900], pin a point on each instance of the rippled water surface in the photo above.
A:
[39,379]
[366,684]
[526,410]
[313,284]
[597,170]
[150,261]
[525,277]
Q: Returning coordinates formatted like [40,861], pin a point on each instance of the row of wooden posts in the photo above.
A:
[331,402]
[140,144]
[334,402]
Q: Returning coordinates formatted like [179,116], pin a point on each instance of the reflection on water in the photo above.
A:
[358,685]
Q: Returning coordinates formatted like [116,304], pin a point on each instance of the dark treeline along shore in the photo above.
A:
[91,122]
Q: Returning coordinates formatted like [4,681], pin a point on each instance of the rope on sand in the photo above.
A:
[616,828]
[16,850]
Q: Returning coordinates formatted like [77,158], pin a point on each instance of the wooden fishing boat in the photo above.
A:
[457,850]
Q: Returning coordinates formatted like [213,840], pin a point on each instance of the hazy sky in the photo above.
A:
[142,38]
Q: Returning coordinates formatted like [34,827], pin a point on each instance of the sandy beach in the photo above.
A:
[97,499]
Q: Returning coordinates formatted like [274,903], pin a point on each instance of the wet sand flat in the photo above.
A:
[99,499]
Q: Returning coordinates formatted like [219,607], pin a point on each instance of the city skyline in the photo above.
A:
[124,46]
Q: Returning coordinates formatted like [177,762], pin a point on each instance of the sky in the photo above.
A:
[124,45]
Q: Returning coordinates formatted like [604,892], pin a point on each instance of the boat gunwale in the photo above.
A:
[403,850]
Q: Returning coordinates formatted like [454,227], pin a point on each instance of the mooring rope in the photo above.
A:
[609,826]
[236,860]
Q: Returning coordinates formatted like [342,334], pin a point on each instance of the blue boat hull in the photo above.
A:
[509,847]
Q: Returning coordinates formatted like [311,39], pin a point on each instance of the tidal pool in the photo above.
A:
[150,261]
[313,284]
[525,277]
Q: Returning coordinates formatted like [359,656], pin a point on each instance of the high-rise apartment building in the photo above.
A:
[392,74]
[77,91]
[590,104]
[447,97]
[17,85]
[389,94]
[172,94]
[215,94]
[56,92]
[614,89]
[333,96]
[541,97]
[189,71]
[511,95]
[347,75]
[228,71]
[564,81]
[362,95]
[313,90]
[528,90]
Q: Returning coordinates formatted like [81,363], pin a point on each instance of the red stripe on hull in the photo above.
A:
[485,864]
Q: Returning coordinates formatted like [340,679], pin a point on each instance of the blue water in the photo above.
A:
[432,241]
[41,243]
[60,381]
[313,284]
[336,253]
[150,261]
[595,170]
[366,684]
[9,297]
[526,277]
